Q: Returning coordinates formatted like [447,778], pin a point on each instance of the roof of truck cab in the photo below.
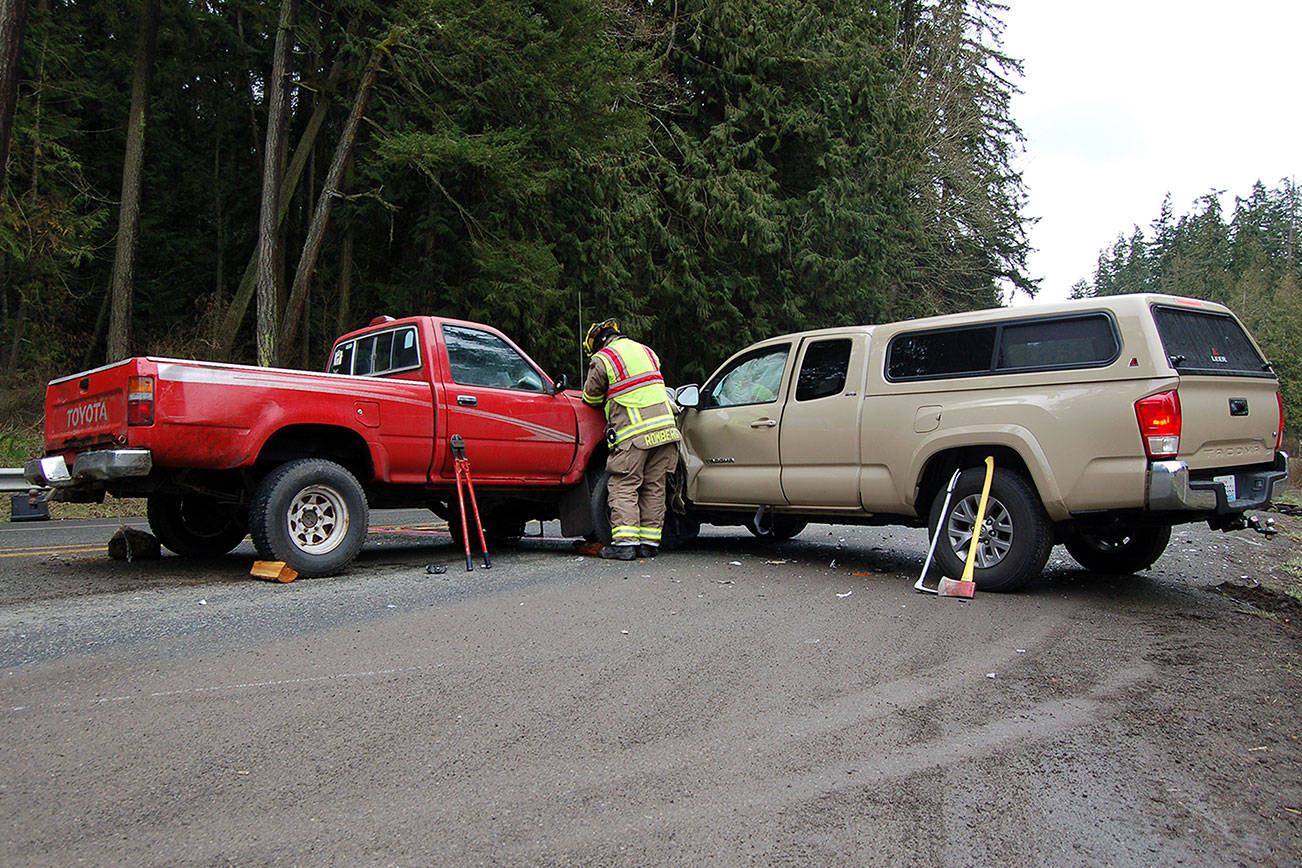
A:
[1134,303]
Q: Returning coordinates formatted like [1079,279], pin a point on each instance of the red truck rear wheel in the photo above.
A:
[311,514]
[195,525]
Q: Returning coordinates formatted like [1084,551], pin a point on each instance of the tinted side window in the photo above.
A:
[1070,341]
[823,370]
[755,378]
[1202,342]
[943,353]
[363,355]
[383,357]
[405,354]
[482,359]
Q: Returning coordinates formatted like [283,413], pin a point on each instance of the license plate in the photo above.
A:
[1227,481]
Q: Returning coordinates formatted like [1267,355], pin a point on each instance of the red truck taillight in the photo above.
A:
[1159,424]
[140,400]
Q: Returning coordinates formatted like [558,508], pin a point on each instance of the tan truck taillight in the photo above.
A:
[1279,432]
[1159,424]
[140,400]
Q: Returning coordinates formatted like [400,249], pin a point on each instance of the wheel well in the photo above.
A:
[318,441]
[941,466]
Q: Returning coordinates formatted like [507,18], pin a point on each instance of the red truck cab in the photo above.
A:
[518,426]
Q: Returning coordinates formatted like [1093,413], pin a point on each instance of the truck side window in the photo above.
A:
[363,355]
[755,378]
[1076,341]
[482,359]
[383,358]
[342,360]
[405,354]
[927,355]
[823,371]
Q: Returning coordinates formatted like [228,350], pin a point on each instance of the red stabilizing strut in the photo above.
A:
[479,525]
[461,503]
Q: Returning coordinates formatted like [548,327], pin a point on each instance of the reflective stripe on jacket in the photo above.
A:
[634,372]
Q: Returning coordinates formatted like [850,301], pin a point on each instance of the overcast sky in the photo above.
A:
[1125,102]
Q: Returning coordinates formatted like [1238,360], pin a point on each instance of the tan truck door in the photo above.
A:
[735,430]
[819,436]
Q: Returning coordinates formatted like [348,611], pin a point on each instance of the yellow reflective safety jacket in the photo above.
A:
[626,375]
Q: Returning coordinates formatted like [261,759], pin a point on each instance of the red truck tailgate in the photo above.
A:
[88,409]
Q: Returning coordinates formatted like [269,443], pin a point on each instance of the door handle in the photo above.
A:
[467,400]
[764,423]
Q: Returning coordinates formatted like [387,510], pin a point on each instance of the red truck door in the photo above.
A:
[502,406]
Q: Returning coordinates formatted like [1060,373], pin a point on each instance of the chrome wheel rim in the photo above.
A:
[996,530]
[318,519]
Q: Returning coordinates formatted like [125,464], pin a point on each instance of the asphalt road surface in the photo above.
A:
[734,703]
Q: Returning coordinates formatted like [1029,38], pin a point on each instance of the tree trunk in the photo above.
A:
[120,286]
[13,26]
[345,294]
[101,319]
[325,203]
[272,171]
[239,305]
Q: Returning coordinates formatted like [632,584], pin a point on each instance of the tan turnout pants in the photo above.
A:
[637,492]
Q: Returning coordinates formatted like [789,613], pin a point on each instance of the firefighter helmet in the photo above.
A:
[599,334]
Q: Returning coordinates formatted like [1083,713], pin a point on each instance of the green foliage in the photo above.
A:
[20,443]
[710,171]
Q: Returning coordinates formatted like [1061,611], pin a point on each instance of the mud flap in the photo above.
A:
[575,508]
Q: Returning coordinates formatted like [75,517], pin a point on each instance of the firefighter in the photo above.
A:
[625,376]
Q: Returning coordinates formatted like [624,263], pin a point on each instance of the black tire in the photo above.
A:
[599,504]
[1016,538]
[196,525]
[780,527]
[311,514]
[678,530]
[1119,552]
[454,529]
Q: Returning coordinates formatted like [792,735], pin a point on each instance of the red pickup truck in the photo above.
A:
[294,458]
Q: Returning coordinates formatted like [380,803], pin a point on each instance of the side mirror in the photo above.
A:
[688,396]
[560,385]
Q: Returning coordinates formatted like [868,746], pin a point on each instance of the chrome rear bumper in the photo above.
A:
[99,466]
[1170,488]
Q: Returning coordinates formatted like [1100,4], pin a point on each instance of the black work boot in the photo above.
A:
[647,551]
[619,553]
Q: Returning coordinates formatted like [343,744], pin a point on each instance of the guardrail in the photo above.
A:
[11,479]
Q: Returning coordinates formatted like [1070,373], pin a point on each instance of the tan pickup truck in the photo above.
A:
[1110,420]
